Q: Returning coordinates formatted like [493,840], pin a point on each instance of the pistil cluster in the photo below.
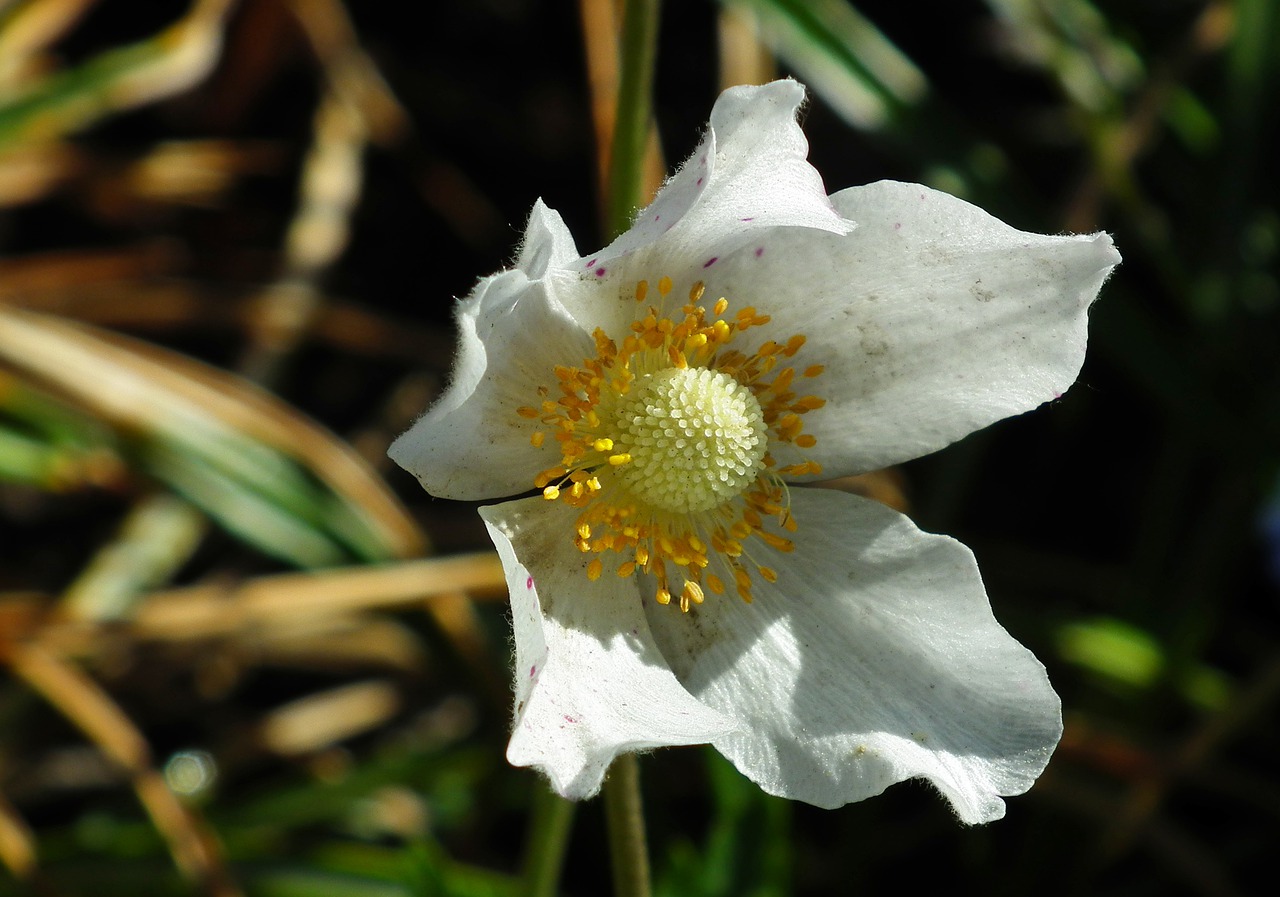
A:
[665,446]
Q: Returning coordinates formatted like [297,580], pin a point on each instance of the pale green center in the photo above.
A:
[696,438]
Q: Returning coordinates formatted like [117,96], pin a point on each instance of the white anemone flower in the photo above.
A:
[672,581]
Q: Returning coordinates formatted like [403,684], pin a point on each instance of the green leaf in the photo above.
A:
[842,56]
[747,851]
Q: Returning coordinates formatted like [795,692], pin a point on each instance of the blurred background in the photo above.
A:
[244,655]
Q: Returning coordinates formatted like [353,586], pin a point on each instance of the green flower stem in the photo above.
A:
[638,49]
[624,813]
[623,808]
[548,839]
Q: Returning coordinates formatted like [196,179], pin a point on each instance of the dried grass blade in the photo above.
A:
[210,610]
[352,73]
[78,698]
[161,66]
[17,842]
[317,721]
[336,643]
[744,58]
[142,388]
[29,29]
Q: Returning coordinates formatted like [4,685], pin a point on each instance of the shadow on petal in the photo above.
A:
[589,681]
[875,658]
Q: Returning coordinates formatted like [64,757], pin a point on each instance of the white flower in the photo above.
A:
[749,333]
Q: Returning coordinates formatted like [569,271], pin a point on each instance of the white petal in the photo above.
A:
[761,176]
[933,319]
[589,682]
[875,658]
[749,173]
[472,444]
[547,245]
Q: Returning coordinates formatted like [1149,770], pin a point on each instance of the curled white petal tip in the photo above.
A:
[1108,255]
[547,243]
[1104,259]
[473,443]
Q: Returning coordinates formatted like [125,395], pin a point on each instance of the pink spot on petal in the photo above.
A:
[590,263]
[533,671]
[711,261]
[569,719]
[747,219]
[897,225]
[759,251]
[600,272]
[657,217]
[698,182]
[528,583]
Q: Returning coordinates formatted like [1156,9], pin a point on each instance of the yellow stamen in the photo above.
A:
[692,592]
[777,542]
[547,476]
[640,404]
